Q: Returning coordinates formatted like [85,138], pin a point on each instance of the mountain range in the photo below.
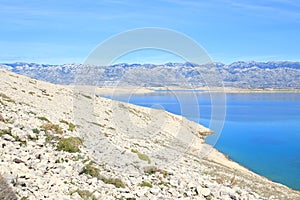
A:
[284,74]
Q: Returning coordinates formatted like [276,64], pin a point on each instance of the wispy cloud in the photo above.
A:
[275,7]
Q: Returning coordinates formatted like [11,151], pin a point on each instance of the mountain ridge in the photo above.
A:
[252,74]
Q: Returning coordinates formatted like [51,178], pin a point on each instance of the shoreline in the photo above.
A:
[147,90]
[225,160]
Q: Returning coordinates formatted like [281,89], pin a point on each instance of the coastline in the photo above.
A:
[233,163]
[145,90]
[192,174]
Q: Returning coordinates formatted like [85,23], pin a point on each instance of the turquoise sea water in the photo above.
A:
[261,130]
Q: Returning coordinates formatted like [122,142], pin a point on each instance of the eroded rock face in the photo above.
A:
[45,155]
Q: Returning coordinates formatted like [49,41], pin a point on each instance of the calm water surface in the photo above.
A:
[261,130]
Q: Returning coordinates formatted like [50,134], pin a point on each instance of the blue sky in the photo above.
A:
[67,31]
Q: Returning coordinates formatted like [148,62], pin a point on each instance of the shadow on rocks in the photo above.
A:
[6,192]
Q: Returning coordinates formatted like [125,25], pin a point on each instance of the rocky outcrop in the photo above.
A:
[51,149]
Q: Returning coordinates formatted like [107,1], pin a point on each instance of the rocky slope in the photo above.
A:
[52,148]
[238,74]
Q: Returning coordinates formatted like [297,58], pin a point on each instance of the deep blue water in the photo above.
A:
[261,130]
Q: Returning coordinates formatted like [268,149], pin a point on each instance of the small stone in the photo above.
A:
[97,195]
[17,160]
[128,195]
[46,194]
[174,182]
[92,181]
[189,193]
[154,191]
[8,137]
[75,195]
[203,191]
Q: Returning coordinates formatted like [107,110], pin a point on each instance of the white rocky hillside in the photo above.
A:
[50,149]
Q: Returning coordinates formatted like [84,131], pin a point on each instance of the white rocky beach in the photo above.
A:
[52,149]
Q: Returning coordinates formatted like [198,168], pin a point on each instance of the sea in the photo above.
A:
[261,131]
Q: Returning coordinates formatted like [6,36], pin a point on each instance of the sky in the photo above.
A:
[58,32]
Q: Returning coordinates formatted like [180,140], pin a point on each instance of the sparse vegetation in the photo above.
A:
[84,194]
[97,124]
[33,81]
[78,157]
[152,170]
[208,197]
[36,131]
[70,144]
[141,156]
[118,183]
[91,170]
[71,125]
[31,112]
[50,138]
[5,131]
[52,127]
[32,138]
[31,93]
[16,138]
[112,128]
[6,98]
[146,184]
[44,119]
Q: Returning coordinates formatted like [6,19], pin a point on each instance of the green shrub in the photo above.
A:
[91,170]
[16,138]
[5,131]
[50,138]
[84,194]
[152,170]
[44,119]
[36,131]
[52,127]
[70,144]
[32,138]
[141,156]
[146,184]
[71,125]
[31,112]
[118,183]
[6,98]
